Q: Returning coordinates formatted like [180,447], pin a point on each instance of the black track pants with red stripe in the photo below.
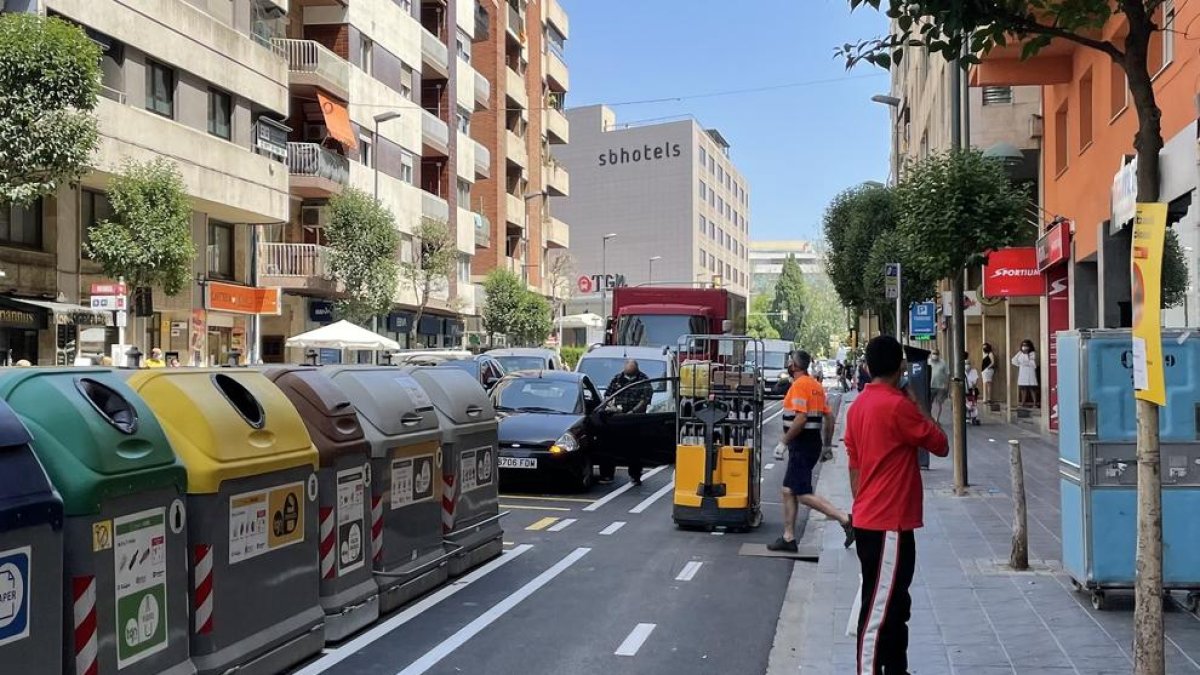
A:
[888,560]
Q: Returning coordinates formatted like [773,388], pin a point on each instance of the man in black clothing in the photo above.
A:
[630,393]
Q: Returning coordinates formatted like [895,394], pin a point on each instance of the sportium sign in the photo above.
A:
[1012,272]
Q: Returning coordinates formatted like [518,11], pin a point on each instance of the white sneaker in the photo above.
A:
[779,451]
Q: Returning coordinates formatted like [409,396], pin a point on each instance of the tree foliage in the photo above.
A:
[49,80]
[853,222]
[533,320]
[435,253]
[787,307]
[148,241]
[1174,271]
[758,324]
[511,309]
[824,317]
[363,243]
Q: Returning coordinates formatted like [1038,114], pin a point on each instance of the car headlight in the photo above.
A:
[565,443]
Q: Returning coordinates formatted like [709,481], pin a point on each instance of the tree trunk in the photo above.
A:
[1019,558]
[958,392]
[1148,656]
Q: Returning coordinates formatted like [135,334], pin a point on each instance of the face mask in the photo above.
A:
[903,381]
[935,358]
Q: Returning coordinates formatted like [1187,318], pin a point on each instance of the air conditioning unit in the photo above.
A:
[314,216]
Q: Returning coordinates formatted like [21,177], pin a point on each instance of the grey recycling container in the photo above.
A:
[471,517]
[401,425]
[31,539]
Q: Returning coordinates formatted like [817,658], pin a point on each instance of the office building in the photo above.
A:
[767,258]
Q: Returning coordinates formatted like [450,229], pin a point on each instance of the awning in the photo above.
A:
[67,314]
[337,121]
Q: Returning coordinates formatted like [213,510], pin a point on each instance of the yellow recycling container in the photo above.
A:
[252,512]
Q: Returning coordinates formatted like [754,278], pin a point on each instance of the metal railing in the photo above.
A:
[310,159]
[293,260]
[310,56]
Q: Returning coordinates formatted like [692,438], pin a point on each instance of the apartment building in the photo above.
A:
[660,203]
[767,259]
[523,57]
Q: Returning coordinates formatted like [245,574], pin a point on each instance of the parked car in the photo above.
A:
[484,368]
[649,434]
[527,358]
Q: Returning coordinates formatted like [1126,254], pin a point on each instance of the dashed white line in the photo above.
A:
[432,657]
[717,533]
[635,640]
[613,527]
[770,466]
[689,571]
[645,504]
[562,525]
[620,491]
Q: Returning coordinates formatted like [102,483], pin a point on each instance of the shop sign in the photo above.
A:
[109,289]
[1054,246]
[320,311]
[234,299]
[597,282]
[83,317]
[1058,318]
[15,318]
[1012,272]
[399,322]
[111,303]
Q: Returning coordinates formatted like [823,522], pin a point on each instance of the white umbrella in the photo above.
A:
[585,320]
[343,335]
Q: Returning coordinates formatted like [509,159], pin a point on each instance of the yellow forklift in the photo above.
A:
[719,408]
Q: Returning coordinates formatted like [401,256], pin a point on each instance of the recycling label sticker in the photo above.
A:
[265,520]
[178,517]
[15,588]
[476,468]
[412,480]
[351,522]
[140,557]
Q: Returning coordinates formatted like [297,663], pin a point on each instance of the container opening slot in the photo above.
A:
[112,406]
[241,399]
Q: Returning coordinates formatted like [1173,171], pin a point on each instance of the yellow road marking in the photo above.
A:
[549,499]
[533,508]
[543,523]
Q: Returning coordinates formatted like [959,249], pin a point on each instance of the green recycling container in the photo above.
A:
[125,596]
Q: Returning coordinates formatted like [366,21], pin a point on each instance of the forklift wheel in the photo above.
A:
[1098,599]
[1192,603]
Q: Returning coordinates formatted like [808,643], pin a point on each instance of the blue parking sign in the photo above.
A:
[14,595]
[922,319]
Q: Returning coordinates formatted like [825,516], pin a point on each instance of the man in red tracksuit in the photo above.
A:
[884,429]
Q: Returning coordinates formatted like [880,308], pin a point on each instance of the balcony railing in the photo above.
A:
[293,260]
[434,51]
[310,159]
[434,207]
[483,89]
[483,160]
[516,25]
[483,231]
[434,131]
[310,56]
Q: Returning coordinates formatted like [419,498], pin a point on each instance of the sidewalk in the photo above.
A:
[972,615]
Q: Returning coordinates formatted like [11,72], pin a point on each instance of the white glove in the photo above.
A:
[780,449]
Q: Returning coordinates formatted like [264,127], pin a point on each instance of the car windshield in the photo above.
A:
[602,370]
[653,330]
[468,365]
[533,394]
[514,363]
[775,360]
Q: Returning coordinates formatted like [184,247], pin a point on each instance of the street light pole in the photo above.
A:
[378,119]
[958,329]
[893,103]
[650,277]
[604,272]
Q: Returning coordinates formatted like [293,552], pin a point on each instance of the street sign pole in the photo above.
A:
[899,292]
[120,324]
[891,287]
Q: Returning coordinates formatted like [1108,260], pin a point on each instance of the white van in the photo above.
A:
[775,361]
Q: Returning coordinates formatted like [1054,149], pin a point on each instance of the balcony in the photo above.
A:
[300,267]
[558,181]
[434,53]
[557,17]
[515,208]
[556,72]
[464,231]
[483,91]
[558,235]
[434,207]
[515,150]
[483,161]
[514,88]
[435,134]
[316,172]
[311,65]
[557,128]
[483,231]
[516,24]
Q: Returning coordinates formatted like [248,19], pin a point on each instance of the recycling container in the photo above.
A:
[349,594]
[406,488]
[1097,441]
[252,496]
[471,506]
[124,598]
[31,538]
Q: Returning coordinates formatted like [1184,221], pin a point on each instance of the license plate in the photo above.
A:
[518,462]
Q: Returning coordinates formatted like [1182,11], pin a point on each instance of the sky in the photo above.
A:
[797,146]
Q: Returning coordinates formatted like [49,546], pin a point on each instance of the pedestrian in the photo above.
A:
[23,363]
[1026,362]
[156,359]
[864,377]
[173,362]
[633,392]
[884,430]
[106,361]
[808,430]
[988,369]
[939,382]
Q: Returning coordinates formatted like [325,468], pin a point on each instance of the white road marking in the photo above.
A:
[562,525]
[770,466]
[359,643]
[635,640]
[620,491]
[775,414]
[613,528]
[718,533]
[447,646]
[645,504]
[689,571]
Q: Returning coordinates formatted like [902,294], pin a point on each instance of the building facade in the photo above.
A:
[669,192]
[767,258]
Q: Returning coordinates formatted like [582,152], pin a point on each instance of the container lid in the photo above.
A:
[455,394]
[26,496]
[225,423]
[96,438]
[331,419]
[387,398]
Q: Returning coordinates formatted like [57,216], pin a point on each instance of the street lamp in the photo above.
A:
[379,119]
[650,280]
[604,271]
[893,103]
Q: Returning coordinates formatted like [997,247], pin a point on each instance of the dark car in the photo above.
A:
[486,370]
[554,424]
[527,358]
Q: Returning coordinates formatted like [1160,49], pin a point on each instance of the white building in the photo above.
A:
[767,258]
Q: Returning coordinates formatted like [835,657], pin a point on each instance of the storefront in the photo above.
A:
[53,333]
[222,328]
[1053,255]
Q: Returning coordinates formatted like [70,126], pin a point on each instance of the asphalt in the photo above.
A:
[646,597]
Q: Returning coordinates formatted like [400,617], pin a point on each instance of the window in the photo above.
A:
[721,205]
[1060,138]
[1162,44]
[220,250]
[463,117]
[997,95]
[1085,110]
[366,54]
[407,173]
[712,164]
[160,89]
[1118,93]
[703,225]
[703,191]
[220,114]
[463,43]
[720,174]
[406,81]
[703,258]
[712,198]
[464,194]
[464,269]
[366,153]
[720,235]
[555,40]
[94,209]
[703,156]
[21,225]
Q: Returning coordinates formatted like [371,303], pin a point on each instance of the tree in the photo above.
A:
[758,324]
[49,80]
[787,308]
[533,323]
[560,269]
[1174,272]
[824,317]
[148,241]
[503,291]
[363,243]
[854,221]
[435,253]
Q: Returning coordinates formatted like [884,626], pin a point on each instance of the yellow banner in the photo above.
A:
[1149,231]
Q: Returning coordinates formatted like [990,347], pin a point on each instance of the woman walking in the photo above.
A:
[1026,363]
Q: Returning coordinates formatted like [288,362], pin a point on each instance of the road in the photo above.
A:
[600,582]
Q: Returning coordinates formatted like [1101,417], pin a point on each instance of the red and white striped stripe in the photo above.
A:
[202,599]
[449,500]
[328,544]
[377,527]
[86,645]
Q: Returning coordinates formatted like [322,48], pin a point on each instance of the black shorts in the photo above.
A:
[803,457]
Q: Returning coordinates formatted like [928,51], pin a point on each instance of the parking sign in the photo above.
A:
[922,319]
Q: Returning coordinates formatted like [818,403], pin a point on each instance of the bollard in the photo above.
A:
[314,357]
[133,358]
[234,359]
[1019,558]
